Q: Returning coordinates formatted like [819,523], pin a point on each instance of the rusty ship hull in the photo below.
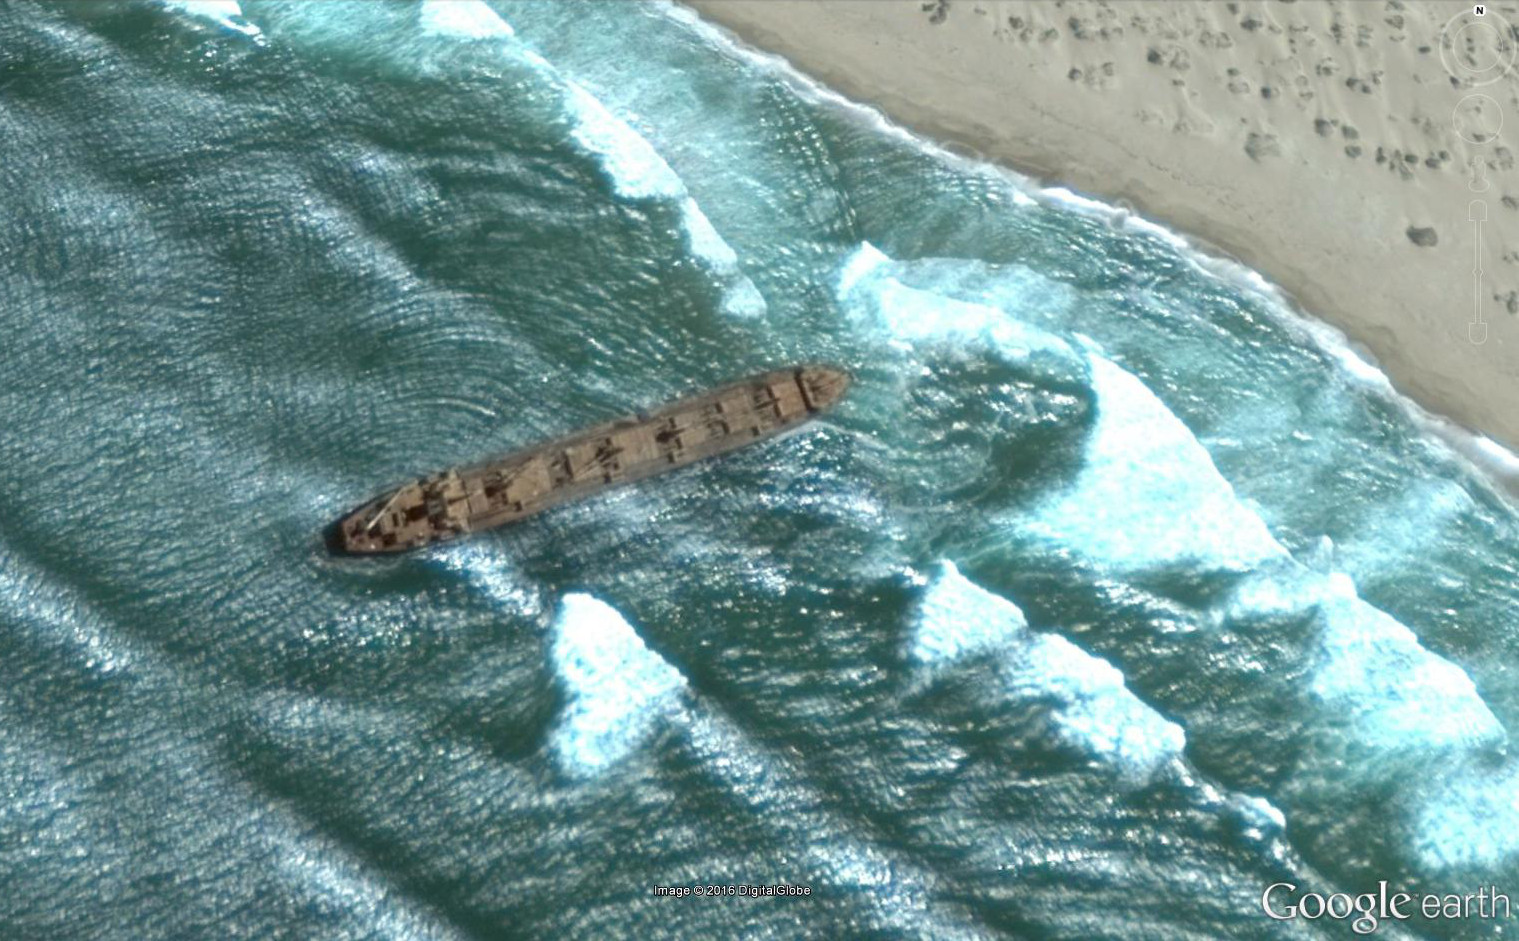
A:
[456,502]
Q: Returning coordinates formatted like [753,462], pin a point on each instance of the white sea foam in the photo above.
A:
[632,165]
[742,298]
[469,19]
[1147,493]
[956,617]
[867,287]
[637,171]
[495,575]
[1499,462]
[1405,531]
[616,688]
[1097,711]
[705,243]
[1396,695]
[225,13]
[1092,708]
[1497,455]
[1468,818]
[861,264]
[1371,676]
[1261,814]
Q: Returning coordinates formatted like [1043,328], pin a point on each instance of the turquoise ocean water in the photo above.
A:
[1112,595]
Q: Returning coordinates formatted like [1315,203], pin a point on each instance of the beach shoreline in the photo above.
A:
[1317,194]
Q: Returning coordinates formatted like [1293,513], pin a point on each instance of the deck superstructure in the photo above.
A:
[464,500]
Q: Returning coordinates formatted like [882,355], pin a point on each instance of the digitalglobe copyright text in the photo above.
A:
[733,890]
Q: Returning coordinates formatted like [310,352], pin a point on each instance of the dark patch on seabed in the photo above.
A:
[1104,601]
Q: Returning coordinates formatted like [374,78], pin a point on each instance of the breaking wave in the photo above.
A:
[1147,499]
[224,13]
[616,689]
[470,19]
[1091,708]
[637,171]
[1147,494]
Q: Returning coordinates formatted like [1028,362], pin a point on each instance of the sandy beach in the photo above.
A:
[1348,151]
